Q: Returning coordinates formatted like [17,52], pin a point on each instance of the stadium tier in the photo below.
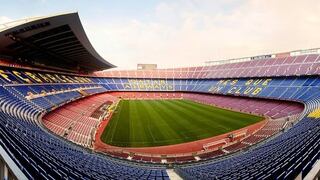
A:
[78,120]
[284,66]
[53,118]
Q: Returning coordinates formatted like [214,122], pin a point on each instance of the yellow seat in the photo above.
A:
[315,113]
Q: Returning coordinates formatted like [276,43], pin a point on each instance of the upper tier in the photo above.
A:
[282,66]
[35,84]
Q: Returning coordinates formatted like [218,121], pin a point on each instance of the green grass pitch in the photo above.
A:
[147,123]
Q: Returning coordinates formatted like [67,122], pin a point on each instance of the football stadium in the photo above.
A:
[66,113]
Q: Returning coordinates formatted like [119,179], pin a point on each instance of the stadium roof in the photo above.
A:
[52,41]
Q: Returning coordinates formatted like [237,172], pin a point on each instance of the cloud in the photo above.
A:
[4,19]
[185,33]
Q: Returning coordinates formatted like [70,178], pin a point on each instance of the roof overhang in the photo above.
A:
[55,41]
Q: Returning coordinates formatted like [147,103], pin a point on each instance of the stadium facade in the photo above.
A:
[56,102]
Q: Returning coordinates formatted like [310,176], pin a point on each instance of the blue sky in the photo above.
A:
[184,32]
